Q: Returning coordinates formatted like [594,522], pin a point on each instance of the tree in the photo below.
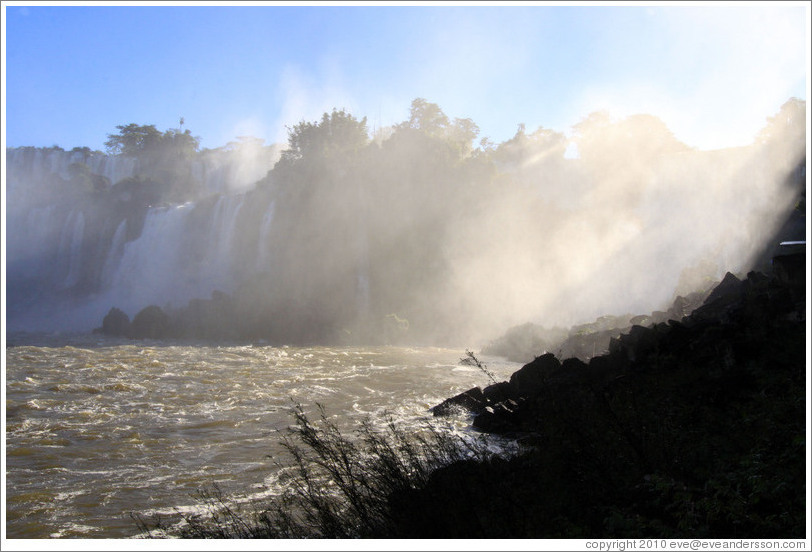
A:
[85,181]
[336,134]
[179,145]
[427,117]
[133,140]
[142,141]
[788,124]
[462,134]
[163,158]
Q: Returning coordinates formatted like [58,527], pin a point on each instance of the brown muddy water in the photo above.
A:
[97,429]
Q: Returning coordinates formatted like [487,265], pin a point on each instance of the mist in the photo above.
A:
[421,236]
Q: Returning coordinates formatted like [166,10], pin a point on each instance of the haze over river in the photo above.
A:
[98,428]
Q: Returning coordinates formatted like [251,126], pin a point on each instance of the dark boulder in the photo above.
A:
[500,418]
[573,365]
[729,288]
[472,400]
[150,323]
[499,392]
[637,342]
[116,323]
[531,377]
[724,296]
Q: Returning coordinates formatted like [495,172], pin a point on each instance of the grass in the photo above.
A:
[344,486]
[471,360]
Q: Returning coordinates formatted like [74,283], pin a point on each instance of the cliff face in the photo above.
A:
[690,428]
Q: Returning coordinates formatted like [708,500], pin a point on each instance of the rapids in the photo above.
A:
[97,429]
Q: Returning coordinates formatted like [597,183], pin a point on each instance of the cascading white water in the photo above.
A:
[221,233]
[263,258]
[114,255]
[184,252]
[70,250]
[153,268]
[26,245]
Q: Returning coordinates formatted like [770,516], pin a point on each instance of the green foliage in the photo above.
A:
[150,146]
[133,140]
[429,119]
[85,181]
[164,158]
[426,117]
[337,134]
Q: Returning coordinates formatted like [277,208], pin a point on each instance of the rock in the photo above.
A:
[500,418]
[116,323]
[729,288]
[472,400]
[530,378]
[151,322]
[640,320]
[573,365]
[679,308]
[790,268]
[638,341]
[725,295]
[499,392]
[658,316]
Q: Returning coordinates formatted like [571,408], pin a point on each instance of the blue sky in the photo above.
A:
[713,73]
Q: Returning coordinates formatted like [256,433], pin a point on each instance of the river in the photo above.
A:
[97,429]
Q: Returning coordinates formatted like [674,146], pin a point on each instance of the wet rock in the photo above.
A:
[472,400]
[499,392]
[500,418]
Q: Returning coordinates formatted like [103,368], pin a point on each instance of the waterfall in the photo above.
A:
[61,237]
[222,234]
[114,254]
[113,167]
[153,268]
[70,249]
[184,252]
[263,258]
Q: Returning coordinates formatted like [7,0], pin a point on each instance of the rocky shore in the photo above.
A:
[689,427]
